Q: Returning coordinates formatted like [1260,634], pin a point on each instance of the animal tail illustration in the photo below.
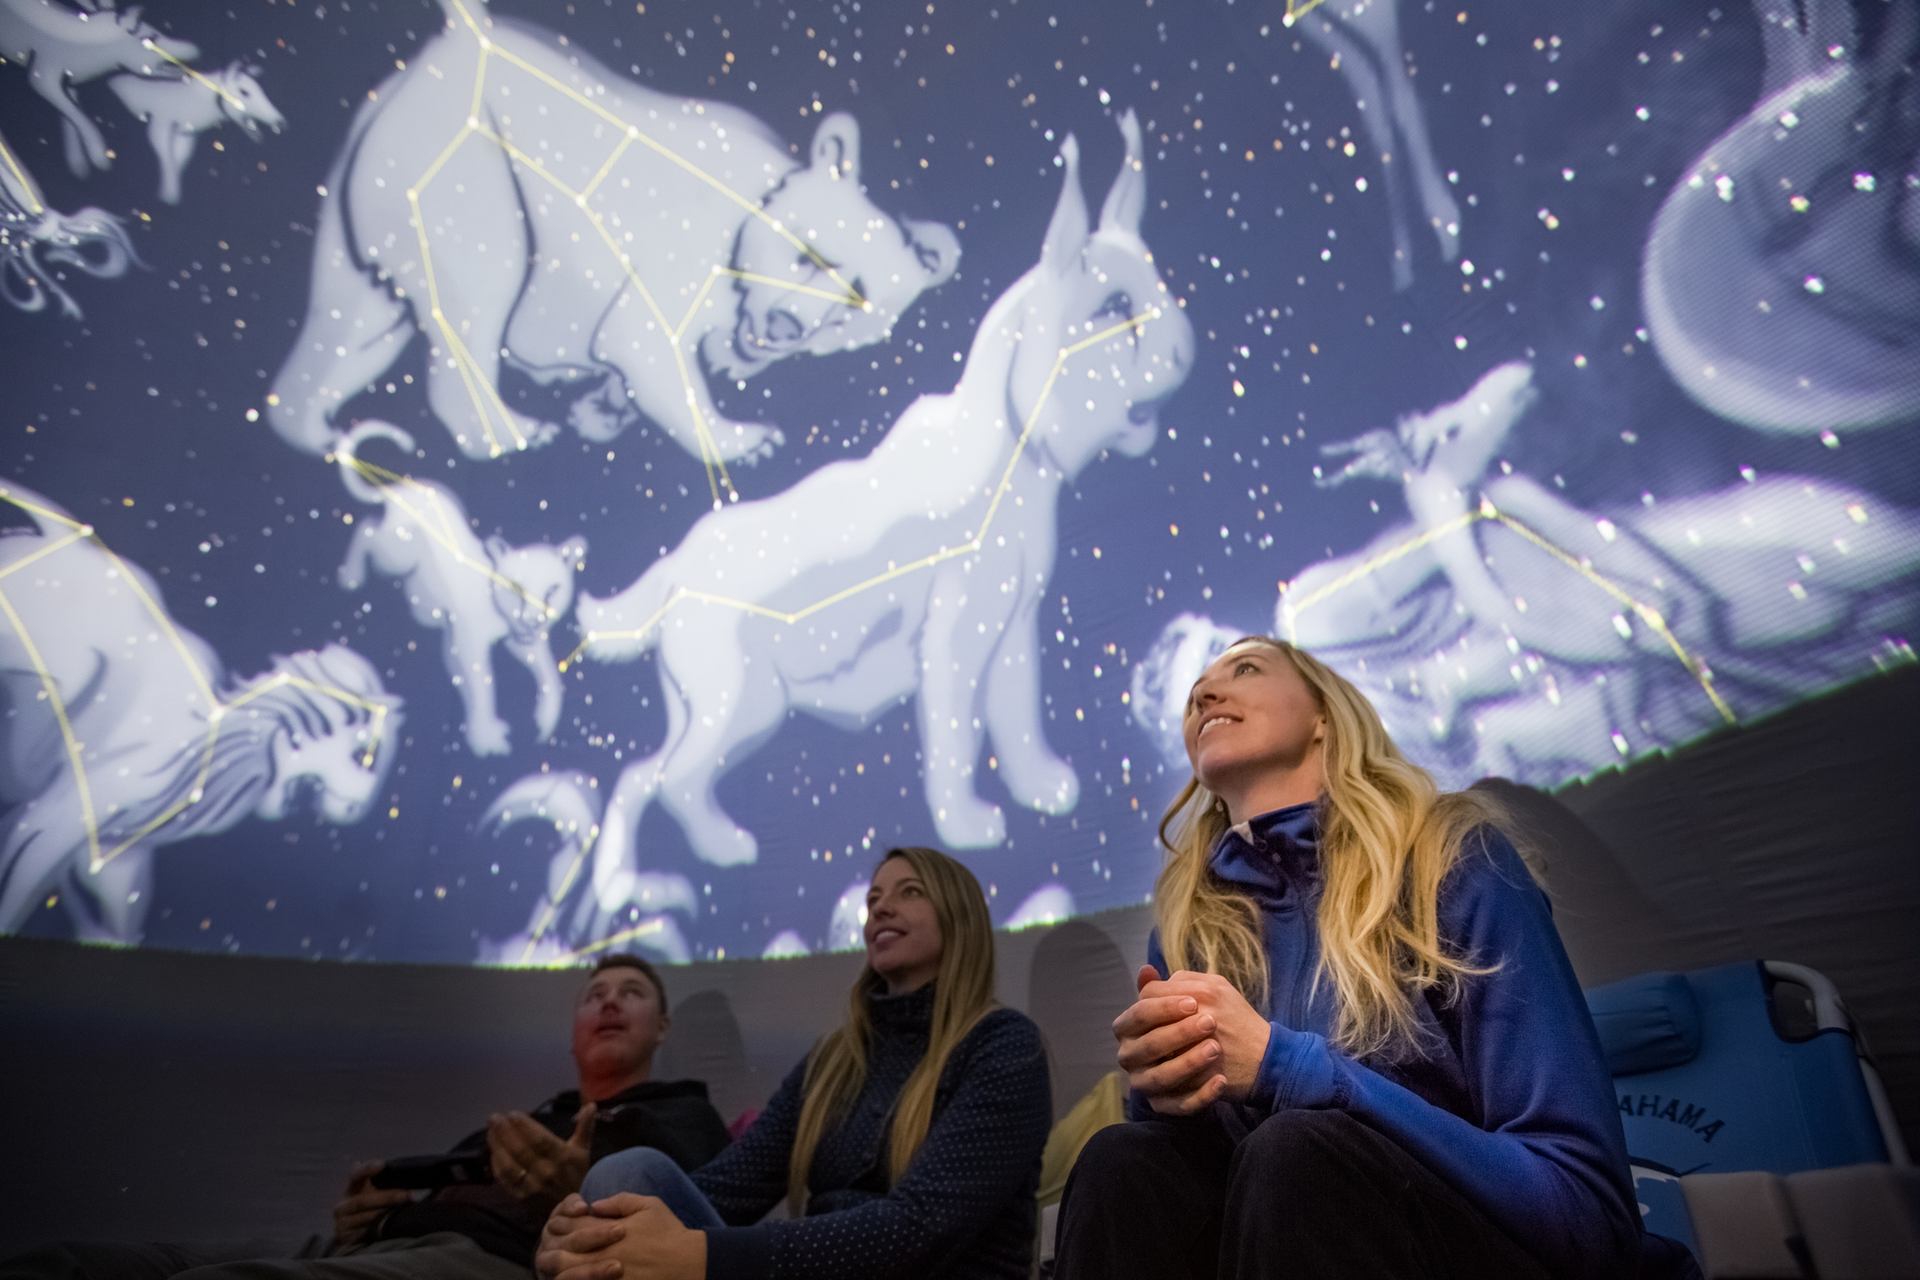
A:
[567,800]
[570,801]
[621,627]
[362,479]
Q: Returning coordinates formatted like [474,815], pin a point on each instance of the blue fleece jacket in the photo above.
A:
[1511,1102]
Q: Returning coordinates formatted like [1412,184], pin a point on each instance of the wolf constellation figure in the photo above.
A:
[63,48]
[178,111]
[507,193]
[121,733]
[917,571]
[476,594]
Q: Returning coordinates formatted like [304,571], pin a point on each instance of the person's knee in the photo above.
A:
[639,1170]
[1299,1150]
[1121,1156]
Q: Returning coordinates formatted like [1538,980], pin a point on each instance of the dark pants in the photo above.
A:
[1303,1194]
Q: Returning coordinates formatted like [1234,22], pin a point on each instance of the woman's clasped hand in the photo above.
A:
[629,1236]
[1190,1040]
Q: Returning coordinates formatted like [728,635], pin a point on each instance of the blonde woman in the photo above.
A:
[1359,1049]
[907,1143]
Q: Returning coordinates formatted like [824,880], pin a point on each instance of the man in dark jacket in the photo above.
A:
[476,1213]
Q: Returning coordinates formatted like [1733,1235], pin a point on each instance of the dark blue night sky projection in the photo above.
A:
[488,483]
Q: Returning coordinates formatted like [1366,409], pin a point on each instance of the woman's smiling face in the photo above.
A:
[904,944]
[1253,730]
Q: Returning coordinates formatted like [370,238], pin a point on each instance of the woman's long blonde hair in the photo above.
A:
[1388,837]
[962,993]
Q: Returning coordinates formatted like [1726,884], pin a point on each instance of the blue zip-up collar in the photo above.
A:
[1274,857]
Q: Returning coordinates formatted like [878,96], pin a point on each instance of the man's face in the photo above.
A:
[617,1023]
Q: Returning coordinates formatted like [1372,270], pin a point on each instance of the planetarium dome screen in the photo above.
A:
[489,483]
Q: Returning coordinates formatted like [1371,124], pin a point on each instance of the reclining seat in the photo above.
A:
[1750,1068]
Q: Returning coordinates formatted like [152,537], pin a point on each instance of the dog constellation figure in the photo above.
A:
[477,595]
[917,571]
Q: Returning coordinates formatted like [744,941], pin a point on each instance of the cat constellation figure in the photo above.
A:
[917,571]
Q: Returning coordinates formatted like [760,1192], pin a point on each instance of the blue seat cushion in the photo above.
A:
[1647,1022]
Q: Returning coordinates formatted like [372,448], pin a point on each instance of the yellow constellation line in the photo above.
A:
[67,738]
[225,94]
[217,706]
[480,389]
[552,906]
[641,930]
[27,189]
[968,547]
[1655,620]
[1298,9]
[708,451]
[636,134]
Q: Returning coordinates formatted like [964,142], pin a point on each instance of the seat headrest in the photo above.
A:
[1646,1022]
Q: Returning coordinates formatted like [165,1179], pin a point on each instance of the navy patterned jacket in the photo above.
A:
[964,1207]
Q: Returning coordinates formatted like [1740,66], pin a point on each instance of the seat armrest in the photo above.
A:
[1744,1227]
[1860,1220]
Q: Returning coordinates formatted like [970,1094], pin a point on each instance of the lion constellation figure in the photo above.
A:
[917,571]
[476,594]
[178,111]
[508,194]
[154,754]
